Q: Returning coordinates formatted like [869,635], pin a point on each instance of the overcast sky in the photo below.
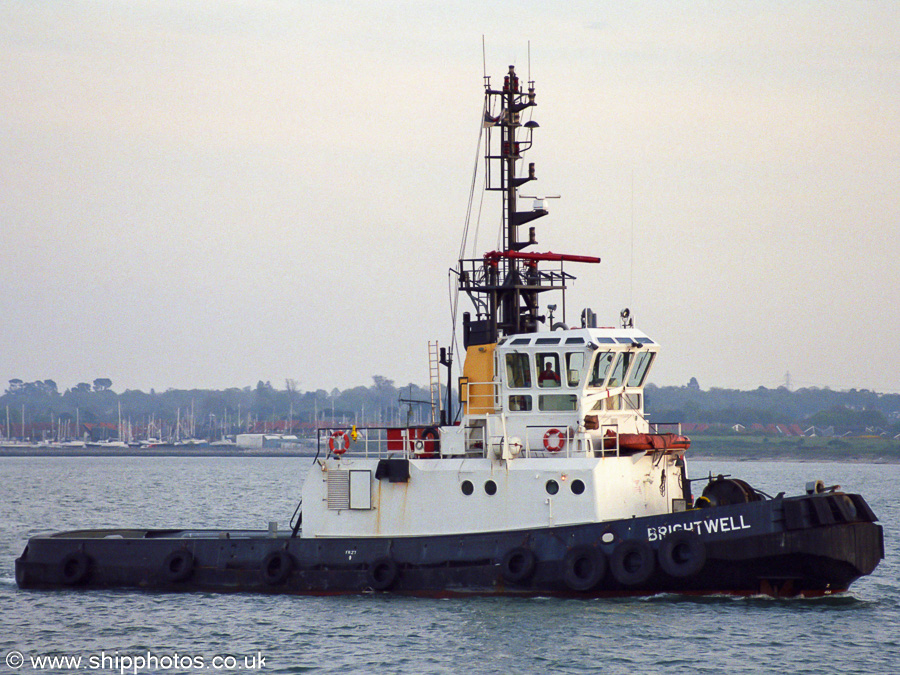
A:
[210,194]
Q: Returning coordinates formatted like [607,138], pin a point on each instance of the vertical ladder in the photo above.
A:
[434,380]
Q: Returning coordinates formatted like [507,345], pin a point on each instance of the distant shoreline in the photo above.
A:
[704,454]
[804,449]
[809,458]
[13,451]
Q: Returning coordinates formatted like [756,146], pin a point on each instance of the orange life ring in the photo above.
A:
[343,446]
[560,440]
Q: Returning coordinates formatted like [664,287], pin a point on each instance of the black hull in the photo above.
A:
[809,545]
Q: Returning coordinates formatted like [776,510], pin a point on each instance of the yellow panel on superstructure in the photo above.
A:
[478,372]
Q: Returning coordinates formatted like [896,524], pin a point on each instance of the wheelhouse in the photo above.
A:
[562,371]
[582,380]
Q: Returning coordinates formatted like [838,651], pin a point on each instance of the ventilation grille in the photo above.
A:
[338,489]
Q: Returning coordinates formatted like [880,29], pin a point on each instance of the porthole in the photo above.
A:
[577,486]
[552,487]
[490,487]
[467,487]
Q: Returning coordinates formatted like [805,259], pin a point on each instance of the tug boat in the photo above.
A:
[545,478]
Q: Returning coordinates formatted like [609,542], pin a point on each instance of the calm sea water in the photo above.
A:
[858,632]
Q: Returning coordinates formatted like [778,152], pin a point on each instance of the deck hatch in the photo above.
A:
[360,489]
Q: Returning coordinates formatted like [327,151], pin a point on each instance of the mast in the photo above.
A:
[505,285]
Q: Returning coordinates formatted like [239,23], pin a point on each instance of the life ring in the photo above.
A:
[339,449]
[382,574]
[76,567]
[583,568]
[682,554]
[632,562]
[178,566]
[559,443]
[276,567]
[518,565]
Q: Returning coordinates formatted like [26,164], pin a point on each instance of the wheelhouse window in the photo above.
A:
[555,402]
[518,371]
[519,402]
[547,364]
[574,368]
[620,369]
[632,401]
[602,362]
[641,367]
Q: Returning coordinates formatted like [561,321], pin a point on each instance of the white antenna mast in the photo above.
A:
[631,263]
[483,59]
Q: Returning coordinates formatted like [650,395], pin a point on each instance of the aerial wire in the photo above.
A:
[453,289]
[465,237]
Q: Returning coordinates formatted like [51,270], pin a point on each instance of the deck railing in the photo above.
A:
[378,442]
[486,435]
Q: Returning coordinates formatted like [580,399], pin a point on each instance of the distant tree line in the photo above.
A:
[212,413]
[205,413]
[854,410]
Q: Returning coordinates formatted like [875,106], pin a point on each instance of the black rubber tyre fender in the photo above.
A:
[382,574]
[432,439]
[632,562]
[583,568]
[682,554]
[75,568]
[518,565]
[277,567]
[178,565]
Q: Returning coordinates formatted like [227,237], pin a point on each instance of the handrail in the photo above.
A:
[473,394]
[654,426]
[614,427]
